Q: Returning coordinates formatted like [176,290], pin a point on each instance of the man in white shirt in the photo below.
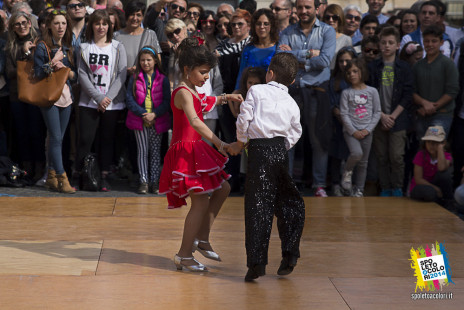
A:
[270,119]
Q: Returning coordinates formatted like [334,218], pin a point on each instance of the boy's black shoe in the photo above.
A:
[287,264]
[255,272]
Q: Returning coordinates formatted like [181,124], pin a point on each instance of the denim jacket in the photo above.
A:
[42,61]
[321,37]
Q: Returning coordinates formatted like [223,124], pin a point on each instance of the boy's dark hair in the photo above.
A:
[368,19]
[390,31]
[133,7]
[433,31]
[285,68]
[191,54]
[370,39]
[361,64]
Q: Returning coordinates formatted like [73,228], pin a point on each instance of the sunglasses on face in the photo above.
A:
[239,24]
[371,50]
[23,24]
[207,21]
[277,9]
[193,14]
[175,32]
[225,25]
[335,18]
[76,5]
[175,7]
[351,17]
[58,12]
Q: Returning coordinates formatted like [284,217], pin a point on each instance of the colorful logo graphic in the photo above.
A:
[431,267]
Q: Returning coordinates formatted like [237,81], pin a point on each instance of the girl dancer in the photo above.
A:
[191,166]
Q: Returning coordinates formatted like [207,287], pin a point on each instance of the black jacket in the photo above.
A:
[403,88]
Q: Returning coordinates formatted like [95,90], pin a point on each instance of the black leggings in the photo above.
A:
[90,120]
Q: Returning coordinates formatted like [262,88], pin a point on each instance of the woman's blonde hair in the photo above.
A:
[12,46]
[173,24]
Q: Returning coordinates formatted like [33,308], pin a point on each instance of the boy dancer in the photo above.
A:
[270,118]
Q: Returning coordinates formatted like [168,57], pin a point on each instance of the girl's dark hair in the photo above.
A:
[117,22]
[361,64]
[407,51]
[97,16]
[337,73]
[133,7]
[251,72]
[191,54]
[147,49]
[272,20]
[67,39]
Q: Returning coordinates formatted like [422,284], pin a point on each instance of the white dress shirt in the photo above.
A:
[268,112]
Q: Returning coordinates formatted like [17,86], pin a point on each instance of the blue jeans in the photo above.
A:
[56,119]
[320,156]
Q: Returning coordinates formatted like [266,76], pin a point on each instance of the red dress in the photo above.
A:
[190,163]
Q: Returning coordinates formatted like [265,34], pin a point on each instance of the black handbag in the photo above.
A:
[90,174]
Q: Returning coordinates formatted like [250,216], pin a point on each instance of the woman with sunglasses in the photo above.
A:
[334,17]
[208,27]
[27,119]
[264,37]
[194,10]
[176,31]
[58,40]
[102,64]
[133,36]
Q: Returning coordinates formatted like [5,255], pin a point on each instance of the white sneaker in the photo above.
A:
[346,180]
[337,191]
[357,192]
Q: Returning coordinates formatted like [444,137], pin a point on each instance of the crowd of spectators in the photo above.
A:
[417,88]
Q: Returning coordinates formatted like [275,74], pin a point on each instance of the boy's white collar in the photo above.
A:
[281,86]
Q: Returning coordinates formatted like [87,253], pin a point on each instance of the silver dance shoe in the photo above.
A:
[208,254]
[197,268]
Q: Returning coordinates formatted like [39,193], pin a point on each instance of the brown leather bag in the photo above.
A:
[40,92]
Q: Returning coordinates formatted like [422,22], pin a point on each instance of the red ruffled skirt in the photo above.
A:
[191,166]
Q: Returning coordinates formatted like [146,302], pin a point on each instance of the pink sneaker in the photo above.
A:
[320,192]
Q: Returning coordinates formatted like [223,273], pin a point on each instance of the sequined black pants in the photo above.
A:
[270,191]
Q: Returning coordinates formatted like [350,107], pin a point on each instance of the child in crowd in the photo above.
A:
[270,119]
[432,173]
[147,100]
[436,86]
[393,79]
[370,50]
[192,167]
[338,150]
[411,53]
[360,113]
[250,76]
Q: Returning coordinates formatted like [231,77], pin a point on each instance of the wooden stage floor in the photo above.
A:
[116,253]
